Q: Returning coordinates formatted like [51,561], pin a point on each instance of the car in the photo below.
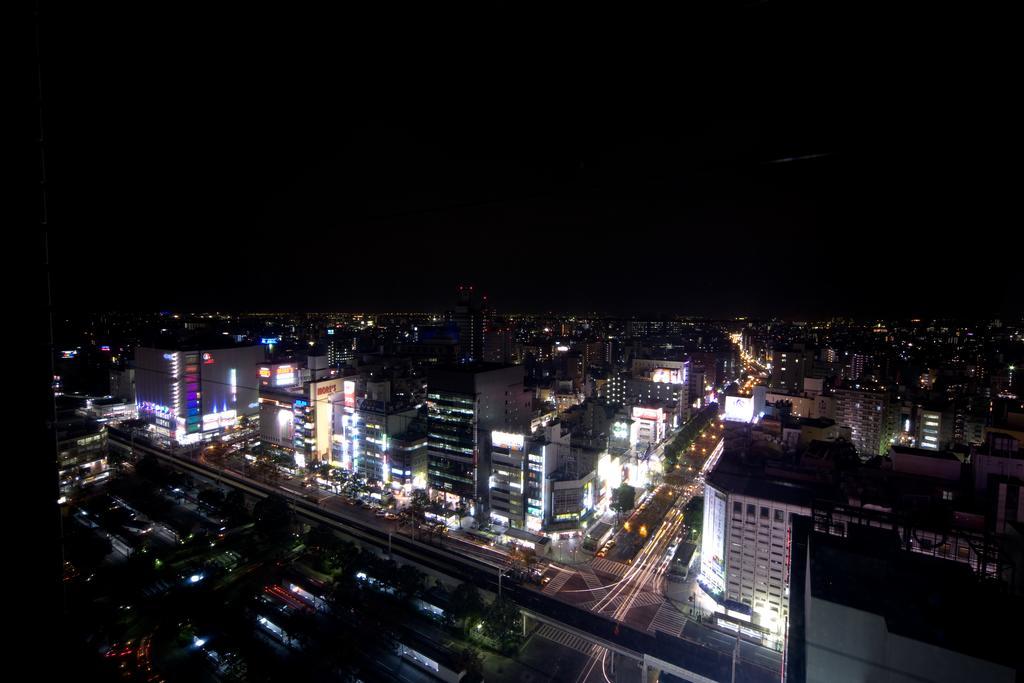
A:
[545,580]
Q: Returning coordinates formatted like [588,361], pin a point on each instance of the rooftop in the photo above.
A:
[923,452]
[921,597]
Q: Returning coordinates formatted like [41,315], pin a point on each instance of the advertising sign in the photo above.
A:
[740,408]
[667,375]
[653,414]
[350,394]
[712,550]
[507,440]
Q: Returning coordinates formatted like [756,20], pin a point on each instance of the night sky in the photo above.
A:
[284,159]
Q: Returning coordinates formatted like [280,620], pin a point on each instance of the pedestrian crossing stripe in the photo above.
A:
[642,599]
[609,567]
[668,619]
[568,640]
[555,584]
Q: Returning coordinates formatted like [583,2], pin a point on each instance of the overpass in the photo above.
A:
[684,658]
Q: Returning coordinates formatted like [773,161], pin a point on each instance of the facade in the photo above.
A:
[536,482]
[81,454]
[866,412]
[745,548]
[465,403]
[373,455]
[299,420]
[189,394]
[934,428]
[789,366]
[468,316]
[122,384]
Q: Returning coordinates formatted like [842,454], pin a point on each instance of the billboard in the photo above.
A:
[284,376]
[350,394]
[653,414]
[712,548]
[740,408]
[667,375]
[507,440]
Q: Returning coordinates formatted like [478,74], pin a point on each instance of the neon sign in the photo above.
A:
[207,359]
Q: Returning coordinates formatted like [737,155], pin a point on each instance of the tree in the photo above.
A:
[468,659]
[625,498]
[409,581]
[234,507]
[273,518]
[465,605]
[504,623]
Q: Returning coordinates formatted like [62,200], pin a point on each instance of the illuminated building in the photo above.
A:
[744,543]
[934,427]
[81,454]
[367,421]
[298,420]
[190,393]
[789,366]
[538,483]
[866,411]
[465,403]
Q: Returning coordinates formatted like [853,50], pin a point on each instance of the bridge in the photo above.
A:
[686,659]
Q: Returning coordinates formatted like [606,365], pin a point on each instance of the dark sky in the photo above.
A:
[235,157]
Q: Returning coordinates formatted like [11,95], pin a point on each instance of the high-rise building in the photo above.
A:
[465,403]
[789,366]
[866,411]
[469,316]
[744,553]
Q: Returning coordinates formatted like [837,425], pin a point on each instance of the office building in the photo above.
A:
[469,317]
[465,403]
[82,452]
[789,366]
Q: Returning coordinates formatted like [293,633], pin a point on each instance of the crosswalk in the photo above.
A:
[641,599]
[567,639]
[556,583]
[595,584]
[609,567]
[668,619]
